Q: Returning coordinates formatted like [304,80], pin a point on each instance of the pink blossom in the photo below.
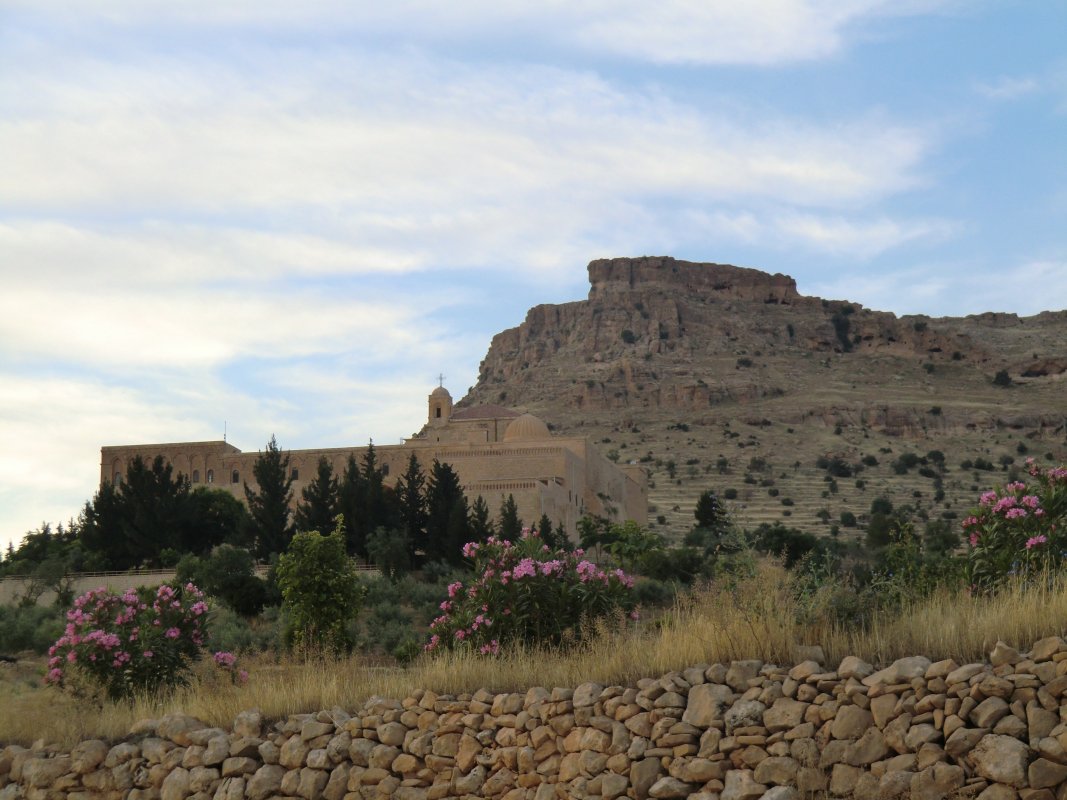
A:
[1016,486]
[242,676]
[1033,541]
[224,659]
[974,539]
[1015,513]
[54,675]
[172,633]
[148,654]
[987,499]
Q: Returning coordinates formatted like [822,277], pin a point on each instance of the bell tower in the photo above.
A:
[440,405]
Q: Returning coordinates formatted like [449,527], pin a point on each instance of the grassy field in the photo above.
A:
[755,618]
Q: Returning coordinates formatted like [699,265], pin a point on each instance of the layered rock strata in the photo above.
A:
[994,730]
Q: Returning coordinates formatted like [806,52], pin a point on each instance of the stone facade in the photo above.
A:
[495,451]
[747,730]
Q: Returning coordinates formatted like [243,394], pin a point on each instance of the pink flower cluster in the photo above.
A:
[546,585]
[117,639]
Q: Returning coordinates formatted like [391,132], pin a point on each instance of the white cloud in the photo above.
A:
[1008,88]
[954,288]
[863,239]
[445,165]
[759,32]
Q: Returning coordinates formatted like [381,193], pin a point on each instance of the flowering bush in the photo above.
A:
[527,592]
[143,640]
[1020,528]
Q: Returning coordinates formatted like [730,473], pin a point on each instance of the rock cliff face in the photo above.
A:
[661,342]
[739,731]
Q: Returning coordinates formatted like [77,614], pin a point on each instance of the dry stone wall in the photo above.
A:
[995,730]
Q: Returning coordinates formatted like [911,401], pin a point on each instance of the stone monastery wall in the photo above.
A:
[747,730]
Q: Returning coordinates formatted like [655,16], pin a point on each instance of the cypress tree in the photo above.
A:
[319,502]
[269,504]
[510,524]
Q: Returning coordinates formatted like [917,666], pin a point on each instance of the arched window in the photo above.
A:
[211,476]
[117,480]
[295,474]
[196,476]
[385,469]
[235,477]
[437,412]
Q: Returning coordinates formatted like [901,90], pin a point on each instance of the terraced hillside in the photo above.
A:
[800,409]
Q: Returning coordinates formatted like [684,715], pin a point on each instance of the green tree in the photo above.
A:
[131,524]
[319,501]
[710,513]
[594,532]
[411,503]
[631,543]
[446,515]
[481,523]
[227,574]
[320,590]
[510,525]
[352,494]
[377,507]
[390,552]
[268,505]
[213,517]
[1002,378]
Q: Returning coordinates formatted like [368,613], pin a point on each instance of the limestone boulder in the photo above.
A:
[1002,759]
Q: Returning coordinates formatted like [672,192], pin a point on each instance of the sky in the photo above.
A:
[269,217]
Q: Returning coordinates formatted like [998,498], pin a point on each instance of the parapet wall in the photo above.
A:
[747,730]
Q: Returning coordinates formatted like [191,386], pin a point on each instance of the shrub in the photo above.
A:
[1018,529]
[628,336]
[729,494]
[526,592]
[144,640]
[29,628]
[321,590]
[1002,378]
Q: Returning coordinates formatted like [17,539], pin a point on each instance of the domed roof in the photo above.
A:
[440,391]
[526,428]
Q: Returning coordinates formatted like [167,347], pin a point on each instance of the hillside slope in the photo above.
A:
[721,377]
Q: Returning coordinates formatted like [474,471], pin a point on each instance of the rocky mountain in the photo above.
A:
[797,408]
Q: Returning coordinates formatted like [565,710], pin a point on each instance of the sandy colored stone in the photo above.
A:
[776,770]
[843,779]
[989,712]
[744,713]
[784,714]
[853,667]
[1044,773]
[1004,654]
[1002,759]
[900,671]
[643,774]
[266,781]
[706,703]
[741,785]
[741,672]
[998,791]
[894,783]
[851,722]
[936,782]
[670,787]
[870,747]
[175,785]
[1045,649]
[86,756]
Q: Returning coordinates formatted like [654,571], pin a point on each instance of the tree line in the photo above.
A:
[154,516]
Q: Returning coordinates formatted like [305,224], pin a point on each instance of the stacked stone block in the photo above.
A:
[995,730]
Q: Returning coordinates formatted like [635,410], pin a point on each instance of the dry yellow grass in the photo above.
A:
[754,619]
